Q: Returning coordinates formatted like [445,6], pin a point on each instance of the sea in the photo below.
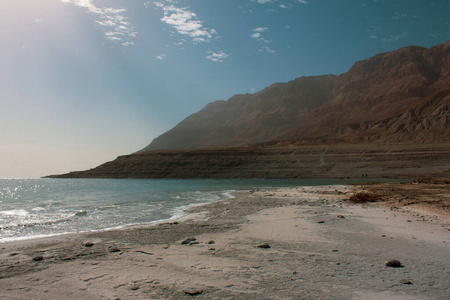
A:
[36,208]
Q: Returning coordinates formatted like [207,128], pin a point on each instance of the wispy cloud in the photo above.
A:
[219,56]
[116,26]
[161,56]
[257,34]
[394,38]
[267,49]
[185,22]
[282,5]
[397,16]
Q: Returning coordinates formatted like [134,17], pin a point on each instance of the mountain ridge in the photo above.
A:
[309,107]
[388,116]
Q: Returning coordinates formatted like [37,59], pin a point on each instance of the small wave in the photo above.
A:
[38,208]
[15,212]
[37,223]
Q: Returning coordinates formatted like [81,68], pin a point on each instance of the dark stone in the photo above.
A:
[405,281]
[321,222]
[113,249]
[193,291]
[394,263]
[340,216]
[264,246]
[211,242]
[88,244]
[81,213]
[188,241]
[38,258]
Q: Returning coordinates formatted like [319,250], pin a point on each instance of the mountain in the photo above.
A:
[389,115]
[380,90]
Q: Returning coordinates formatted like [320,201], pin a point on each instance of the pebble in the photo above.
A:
[264,246]
[113,249]
[405,281]
[394,263]
[188,241]
[193,291]
[88,244]
[38,258]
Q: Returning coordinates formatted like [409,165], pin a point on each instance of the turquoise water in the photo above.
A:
[31,208]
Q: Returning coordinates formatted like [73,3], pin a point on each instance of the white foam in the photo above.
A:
[15,212]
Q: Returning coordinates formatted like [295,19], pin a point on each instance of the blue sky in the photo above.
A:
[83,81]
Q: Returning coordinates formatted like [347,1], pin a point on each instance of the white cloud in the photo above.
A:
[219,56]
[257,35]
[282,5]
[267,49]
[161,56]
[394,38]
[116,26]
[260,29]
[185,22]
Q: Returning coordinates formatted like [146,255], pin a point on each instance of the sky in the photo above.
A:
[84,81]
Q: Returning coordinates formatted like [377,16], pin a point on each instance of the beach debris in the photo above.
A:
[189,241]
[264,246]
[321,222]
[394,263]
[113,249]
[211,242]
[363,197]
[81,213]
[38,258]
[340,217]
[143,252]
[88,244]
[134,287]
[405,281]
[193,291]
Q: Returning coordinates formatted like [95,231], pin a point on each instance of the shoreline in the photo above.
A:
[300,242]
[182,210]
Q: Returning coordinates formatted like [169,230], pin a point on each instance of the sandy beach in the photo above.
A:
[290,243]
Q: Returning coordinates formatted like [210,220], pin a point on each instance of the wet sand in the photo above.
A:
[290,243]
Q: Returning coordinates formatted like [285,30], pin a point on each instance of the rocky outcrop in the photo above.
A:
[338,161]
[373,90]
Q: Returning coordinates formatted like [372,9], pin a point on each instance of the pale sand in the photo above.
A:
[320,248]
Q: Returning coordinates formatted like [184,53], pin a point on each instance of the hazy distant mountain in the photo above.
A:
[398,96]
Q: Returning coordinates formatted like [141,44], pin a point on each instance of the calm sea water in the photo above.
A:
[31,208]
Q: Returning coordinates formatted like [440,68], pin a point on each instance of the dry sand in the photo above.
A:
[314,245]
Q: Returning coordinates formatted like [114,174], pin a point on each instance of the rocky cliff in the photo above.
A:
[376,90]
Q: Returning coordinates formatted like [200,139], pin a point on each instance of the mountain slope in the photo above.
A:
[248,118]
[374,89]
